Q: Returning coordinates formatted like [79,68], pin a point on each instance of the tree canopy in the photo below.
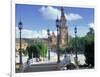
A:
[37,50]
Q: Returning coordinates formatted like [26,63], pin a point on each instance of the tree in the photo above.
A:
[37,50]
[29,52]
[89,48]
[78,42]
[42,49]
[25,52]
[85,45]
[89,54]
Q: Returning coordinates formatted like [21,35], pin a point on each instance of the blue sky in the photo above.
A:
[37,19]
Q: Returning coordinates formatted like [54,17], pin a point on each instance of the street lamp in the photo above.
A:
[20,52]
[75,30]
[58,53]
[48,32]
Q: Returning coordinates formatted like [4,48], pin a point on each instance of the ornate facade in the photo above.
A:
[63,30]
[53,40]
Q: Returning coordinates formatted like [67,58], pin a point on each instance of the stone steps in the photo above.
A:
[42,67]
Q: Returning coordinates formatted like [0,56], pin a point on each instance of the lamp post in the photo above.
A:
[58,53]
[75,30]
[48,32]
[20,52]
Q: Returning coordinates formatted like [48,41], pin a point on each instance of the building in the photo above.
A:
[53,40]
[28,41]
[24,44]
[63,29]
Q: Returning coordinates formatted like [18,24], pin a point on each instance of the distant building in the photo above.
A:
[28,41]
[24,44]
[53,40]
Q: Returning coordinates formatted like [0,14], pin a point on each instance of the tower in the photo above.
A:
[63,32]
[63,28]
[53,40]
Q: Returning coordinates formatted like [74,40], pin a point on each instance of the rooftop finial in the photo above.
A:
[62,11]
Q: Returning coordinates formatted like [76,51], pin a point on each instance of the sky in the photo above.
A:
[37,19]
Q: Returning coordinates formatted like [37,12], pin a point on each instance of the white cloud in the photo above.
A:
[25,33]
[91,25]
[52,13]
[49,12]
[33,34]
[72,16]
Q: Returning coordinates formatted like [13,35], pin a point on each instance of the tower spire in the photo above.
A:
[63,18]
[62,12]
